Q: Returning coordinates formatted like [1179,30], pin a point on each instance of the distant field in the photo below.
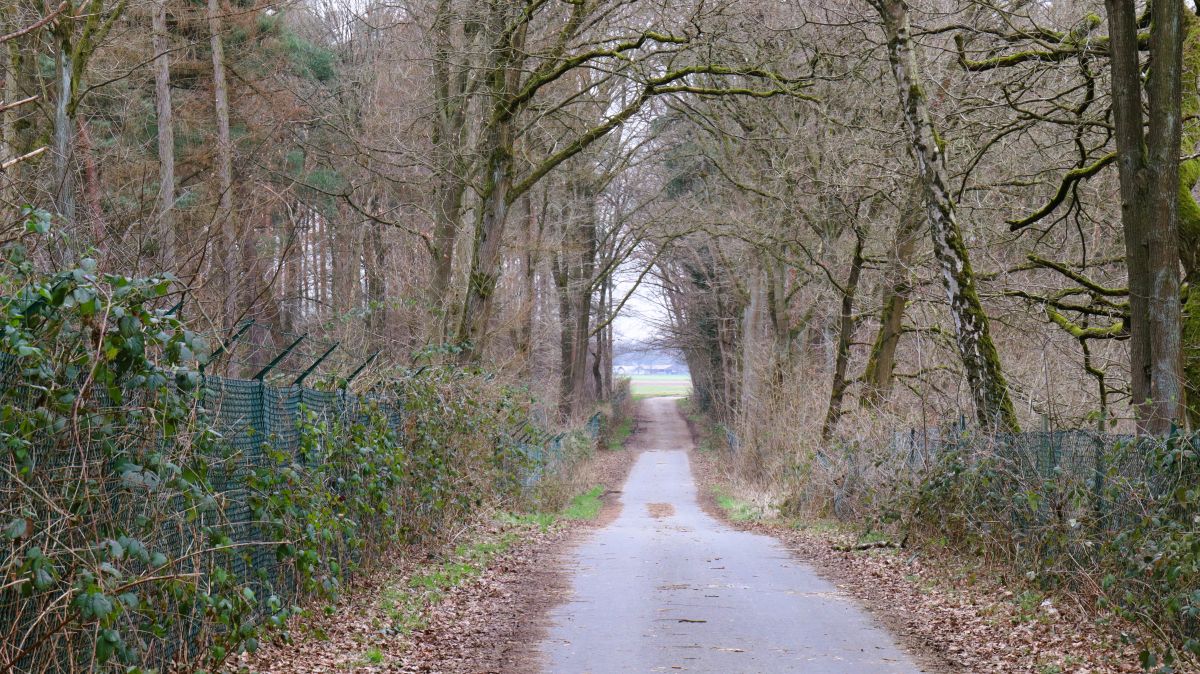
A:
[658,385]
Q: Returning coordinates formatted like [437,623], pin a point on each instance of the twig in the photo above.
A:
[17,160]
[866,546]
[29,29]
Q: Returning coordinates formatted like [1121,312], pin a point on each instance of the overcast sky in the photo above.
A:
[644,311]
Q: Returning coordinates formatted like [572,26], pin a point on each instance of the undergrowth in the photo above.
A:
[736,509]
[620,434]
[147,524]
[1107,520]
[406,605]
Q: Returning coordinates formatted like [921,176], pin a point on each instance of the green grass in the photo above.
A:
[539,519]
[405,604]
[373,656]
[659,385]
[585,506]
[736,510]
[620,434]
[872,537]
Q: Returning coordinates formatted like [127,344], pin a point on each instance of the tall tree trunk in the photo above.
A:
[347,264]
[881,363]
[503,79]
[533,245]
[837,393]
[751,319]
[566,338]
[8,121]
[486,245]
[608,343]
[91,187]
[64,126]
[1148,164]
[376,265]
[598,367]
[1189,215]
[164,229]
[783,334]
[448,136]
[582,287]
[223,219]
[981,362]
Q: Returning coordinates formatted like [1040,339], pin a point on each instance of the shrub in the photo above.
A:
[153,516]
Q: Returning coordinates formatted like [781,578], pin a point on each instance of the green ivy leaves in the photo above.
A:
[129,532]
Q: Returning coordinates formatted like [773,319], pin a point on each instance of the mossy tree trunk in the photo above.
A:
[1189,215]
[64,123]
[981,362]
[881,362]
[10,146]
[837,393]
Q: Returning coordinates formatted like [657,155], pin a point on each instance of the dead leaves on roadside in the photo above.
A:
[396,620]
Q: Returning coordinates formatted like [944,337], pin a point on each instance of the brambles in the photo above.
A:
[152,515]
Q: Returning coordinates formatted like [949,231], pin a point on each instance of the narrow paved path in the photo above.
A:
[665,587]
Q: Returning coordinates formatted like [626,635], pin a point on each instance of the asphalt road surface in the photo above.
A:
[667,588]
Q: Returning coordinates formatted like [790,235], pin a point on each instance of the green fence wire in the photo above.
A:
[1035,476]
[256,421]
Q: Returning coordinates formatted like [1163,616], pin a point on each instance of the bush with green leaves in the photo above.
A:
[137,536]
[107,528]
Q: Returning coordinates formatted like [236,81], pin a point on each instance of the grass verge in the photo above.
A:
[585,506]
[620,434]
[405,605]
[735,509]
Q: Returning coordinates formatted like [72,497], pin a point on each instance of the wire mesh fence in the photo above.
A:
[259,427]
[1075,480]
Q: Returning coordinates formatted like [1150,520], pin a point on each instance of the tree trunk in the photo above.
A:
[598,362]
[8,122]
[91,188]
[450,84]
[1189,216]
[533,244]
[64,127]
[347,264]
[164,228]
[566,339]
[782,332]
[223,219]
[981,362]
[503,79]
[582,286]
[750,335]
[877,378]
[1148,165]
[375,262]
[837,393]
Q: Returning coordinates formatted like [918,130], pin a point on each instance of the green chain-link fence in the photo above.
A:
[257,423]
